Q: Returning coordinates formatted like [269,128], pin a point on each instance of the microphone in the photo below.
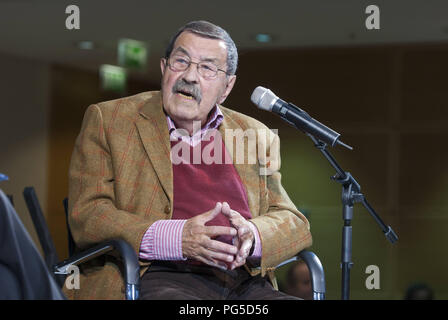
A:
[265,99]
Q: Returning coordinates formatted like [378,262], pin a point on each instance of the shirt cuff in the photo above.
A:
[257,242]
[163,241]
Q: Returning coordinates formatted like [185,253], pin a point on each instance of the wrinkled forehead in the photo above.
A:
[200,48]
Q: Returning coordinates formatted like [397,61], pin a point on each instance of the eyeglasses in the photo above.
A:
[208,70]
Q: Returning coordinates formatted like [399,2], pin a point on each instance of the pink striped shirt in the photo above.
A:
[163,239]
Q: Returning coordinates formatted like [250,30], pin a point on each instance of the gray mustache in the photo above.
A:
[182,86]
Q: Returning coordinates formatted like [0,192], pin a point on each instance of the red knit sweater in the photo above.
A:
[197,187]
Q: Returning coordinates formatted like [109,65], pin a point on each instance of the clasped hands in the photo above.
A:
[198,242]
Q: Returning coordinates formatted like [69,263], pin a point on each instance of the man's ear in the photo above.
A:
[229,87]
[162,65]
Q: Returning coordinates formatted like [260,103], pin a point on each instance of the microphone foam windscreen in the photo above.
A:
[263,98]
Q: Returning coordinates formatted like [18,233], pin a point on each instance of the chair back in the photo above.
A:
[71,242]
[23,273]
[50,255]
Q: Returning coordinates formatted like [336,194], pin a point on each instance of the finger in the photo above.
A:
[229,213]
[243,231]
[212,263]
[215,259]
[236,242]
[234,216]
[213,231]
[240,260]
[222,247]
[213,255]
[243,253]
[236,264]
[235,213]
[212,214]
[226,209]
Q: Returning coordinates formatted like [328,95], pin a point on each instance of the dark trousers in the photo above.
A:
[23,273]
[179,281]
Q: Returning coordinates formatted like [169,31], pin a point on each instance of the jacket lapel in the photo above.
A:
[248,172]
[153,131]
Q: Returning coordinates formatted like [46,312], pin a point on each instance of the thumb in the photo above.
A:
[213,213]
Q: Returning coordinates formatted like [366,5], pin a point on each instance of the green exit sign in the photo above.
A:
[132,54]
[113,78]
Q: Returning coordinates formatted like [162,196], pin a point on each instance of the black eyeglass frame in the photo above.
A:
[197,68]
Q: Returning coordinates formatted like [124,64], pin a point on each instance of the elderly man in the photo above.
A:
[202,229]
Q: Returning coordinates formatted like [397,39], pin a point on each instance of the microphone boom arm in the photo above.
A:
[322,132]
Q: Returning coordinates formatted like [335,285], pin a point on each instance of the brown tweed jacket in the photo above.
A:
[121,181]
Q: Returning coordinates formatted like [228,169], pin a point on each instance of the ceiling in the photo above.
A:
[36,29]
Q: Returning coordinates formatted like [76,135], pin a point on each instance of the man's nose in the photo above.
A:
[191,74]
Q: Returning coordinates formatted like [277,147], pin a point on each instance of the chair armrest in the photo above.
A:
[130,260]
[316,272]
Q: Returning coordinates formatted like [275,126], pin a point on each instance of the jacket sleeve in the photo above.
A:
[93,217]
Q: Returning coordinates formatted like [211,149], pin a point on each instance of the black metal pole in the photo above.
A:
[346,250]
[351,193]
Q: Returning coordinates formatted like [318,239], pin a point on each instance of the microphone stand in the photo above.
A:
[351,193]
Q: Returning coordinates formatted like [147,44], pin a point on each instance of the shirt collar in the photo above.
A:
[213,121]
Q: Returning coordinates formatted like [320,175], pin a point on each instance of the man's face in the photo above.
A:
[185,109]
